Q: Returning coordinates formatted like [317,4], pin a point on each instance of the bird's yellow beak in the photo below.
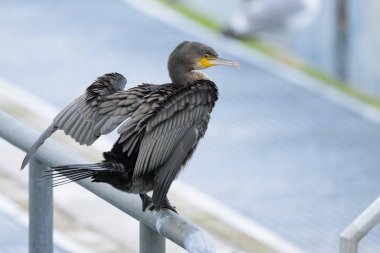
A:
[206,62]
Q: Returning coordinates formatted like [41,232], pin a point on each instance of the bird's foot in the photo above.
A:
[166,205]
[146,202]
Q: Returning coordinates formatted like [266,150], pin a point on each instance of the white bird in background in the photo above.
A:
[266,16]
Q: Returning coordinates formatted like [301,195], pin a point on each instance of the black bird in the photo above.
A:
[161,125]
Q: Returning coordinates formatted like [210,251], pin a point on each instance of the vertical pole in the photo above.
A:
[40,210]
[360,227]
[348,246]
[151,241]
[341,39]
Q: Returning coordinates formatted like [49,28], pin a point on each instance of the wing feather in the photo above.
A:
[101,107]
[170,169]
[98,124]
[70,124]
[78,129]
[96,112]
[133,145]
[167,128]
[45,134]
[86,129]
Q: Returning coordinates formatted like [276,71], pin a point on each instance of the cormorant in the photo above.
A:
[161,125]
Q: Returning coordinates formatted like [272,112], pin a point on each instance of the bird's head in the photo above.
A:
[189,56]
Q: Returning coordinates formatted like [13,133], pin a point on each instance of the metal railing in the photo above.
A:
[351,236]
[154,226]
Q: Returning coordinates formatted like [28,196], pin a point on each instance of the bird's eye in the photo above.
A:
[206,56]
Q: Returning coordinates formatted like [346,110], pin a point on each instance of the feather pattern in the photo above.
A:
[160,126]
[165,127]
[85,119]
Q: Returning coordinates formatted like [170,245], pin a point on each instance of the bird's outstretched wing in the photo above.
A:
[168,134]
[83,119]
[99,111]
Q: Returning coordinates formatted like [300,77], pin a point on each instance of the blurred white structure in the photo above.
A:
[256,16]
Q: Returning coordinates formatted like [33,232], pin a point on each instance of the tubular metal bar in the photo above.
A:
[350,237]
[166,223]
[151,241]
[40,210]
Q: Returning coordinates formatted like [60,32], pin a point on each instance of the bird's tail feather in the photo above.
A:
[71,173]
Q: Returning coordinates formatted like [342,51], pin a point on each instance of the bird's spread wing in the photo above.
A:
[99,111]
[95,112]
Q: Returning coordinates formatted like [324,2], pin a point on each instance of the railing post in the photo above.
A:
[348,245]
[151,241]
[351,236]
[40,210]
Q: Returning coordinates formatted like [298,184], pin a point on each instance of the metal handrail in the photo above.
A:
[351,236]
[154,226]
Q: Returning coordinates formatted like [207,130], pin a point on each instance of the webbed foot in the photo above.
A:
[166,205]
[146,202]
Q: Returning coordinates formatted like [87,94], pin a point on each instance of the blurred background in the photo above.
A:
[337,37]
[293,144]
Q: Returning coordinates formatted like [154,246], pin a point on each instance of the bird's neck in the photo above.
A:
[187,77]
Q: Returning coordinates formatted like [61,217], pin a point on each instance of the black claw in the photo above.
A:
[167,205]
[171,208]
